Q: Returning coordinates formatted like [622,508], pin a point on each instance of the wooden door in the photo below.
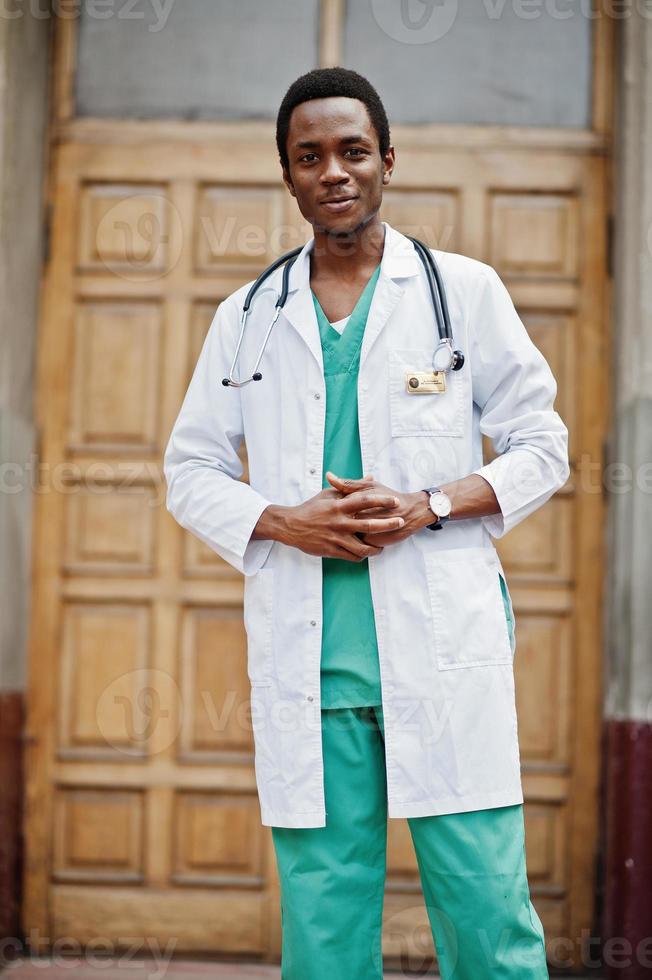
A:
[142,816]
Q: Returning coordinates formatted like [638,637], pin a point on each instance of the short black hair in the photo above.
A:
[323,83]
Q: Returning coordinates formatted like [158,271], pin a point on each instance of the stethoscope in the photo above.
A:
[444,358]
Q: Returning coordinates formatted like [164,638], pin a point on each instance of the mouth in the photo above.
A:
[339,204]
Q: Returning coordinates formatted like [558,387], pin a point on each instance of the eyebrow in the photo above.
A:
[312,144]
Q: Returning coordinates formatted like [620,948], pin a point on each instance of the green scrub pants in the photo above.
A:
[332,879]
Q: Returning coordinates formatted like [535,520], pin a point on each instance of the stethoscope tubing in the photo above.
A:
[435,286]
[267,272]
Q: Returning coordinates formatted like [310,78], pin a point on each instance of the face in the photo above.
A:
[336,172]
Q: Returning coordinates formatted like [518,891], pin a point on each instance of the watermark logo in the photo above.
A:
[415,21]
[139,708]
[141,235]
[408,936]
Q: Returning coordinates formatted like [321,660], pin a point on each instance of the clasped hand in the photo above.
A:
[405,509]
[351,519]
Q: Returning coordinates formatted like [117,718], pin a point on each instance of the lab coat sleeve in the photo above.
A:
[201,463]
[515,391]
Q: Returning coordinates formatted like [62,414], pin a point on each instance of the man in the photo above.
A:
[380,627]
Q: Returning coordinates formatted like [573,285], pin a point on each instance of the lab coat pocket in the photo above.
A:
[435,414]
[259,625]
[468,614]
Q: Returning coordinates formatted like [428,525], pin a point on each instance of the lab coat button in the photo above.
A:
[317,395]
[312,470]
[310,698]
[313,622]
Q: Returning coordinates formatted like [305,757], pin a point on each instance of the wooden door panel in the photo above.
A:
[235,229]
[124,229]
[534,236]
[218,840]
[99,836]
[106,649]
[185,919]
[116,377]
[213,686]
[91,546]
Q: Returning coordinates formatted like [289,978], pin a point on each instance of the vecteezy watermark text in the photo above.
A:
[146,953]
[154,12]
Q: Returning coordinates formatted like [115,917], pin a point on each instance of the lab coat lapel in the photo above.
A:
[399,262]
[299,311]
[386,296]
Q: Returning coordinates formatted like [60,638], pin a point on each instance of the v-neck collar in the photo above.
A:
[353,316]
[341,351]
[400,262]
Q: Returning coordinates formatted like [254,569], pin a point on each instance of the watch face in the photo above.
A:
[440,504]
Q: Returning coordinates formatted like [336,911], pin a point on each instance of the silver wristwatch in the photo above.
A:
[440,505]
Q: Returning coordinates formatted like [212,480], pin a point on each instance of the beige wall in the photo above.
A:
[24,50]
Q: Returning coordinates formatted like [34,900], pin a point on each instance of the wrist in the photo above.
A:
[273,524]
[422,515]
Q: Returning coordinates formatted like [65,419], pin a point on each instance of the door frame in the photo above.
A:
[593,422]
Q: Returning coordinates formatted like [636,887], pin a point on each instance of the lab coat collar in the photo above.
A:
[399,262]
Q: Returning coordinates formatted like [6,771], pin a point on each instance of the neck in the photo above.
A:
[348,255]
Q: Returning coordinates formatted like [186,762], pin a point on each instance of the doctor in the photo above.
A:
[380,626]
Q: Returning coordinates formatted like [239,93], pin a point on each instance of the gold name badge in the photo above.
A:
[425,382]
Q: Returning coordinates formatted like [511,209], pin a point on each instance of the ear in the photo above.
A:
[287,180]
[389,161]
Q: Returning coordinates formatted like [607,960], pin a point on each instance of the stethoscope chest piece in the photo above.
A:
[447,359]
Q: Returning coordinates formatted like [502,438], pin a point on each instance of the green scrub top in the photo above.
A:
[350,672]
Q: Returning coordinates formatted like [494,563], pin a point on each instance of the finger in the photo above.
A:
[383,539]
[363,551]
[331,493]
[346,485]
[361,499]
[335,480]
[349,479]
[363,524]
[374,512]
[360,548]
[374,525]
[338,552]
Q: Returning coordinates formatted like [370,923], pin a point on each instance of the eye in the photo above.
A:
[304,158]
[356,150]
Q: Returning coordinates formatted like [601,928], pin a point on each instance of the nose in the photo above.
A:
[333,172]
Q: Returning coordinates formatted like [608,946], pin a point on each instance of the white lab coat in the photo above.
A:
[446,661]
